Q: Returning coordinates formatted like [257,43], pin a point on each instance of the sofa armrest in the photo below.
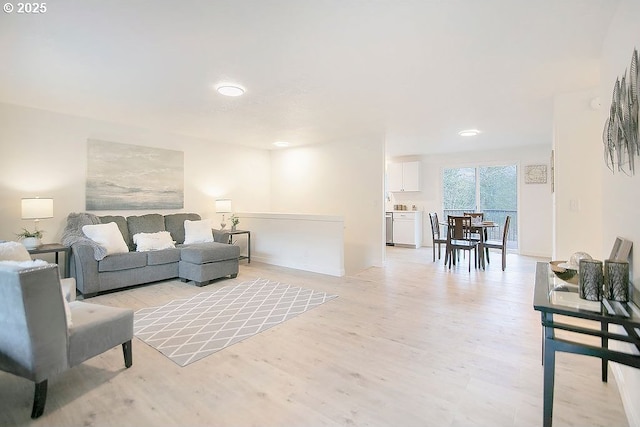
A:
[84,268]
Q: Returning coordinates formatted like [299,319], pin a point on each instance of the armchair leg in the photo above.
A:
[128,354]
[39,399]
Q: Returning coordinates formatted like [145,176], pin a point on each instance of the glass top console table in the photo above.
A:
[555,296]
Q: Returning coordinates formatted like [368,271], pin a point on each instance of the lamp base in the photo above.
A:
[223,225]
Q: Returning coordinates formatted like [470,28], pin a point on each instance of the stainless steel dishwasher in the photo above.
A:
[388,216]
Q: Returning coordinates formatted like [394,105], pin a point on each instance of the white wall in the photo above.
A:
[342,178]
[578,175]
[620,201]
[306,242]
[45,154]
[534,199]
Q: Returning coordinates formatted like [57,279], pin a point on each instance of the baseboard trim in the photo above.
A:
[630,406]
[304,267]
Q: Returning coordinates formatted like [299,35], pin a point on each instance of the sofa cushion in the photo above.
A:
[174,224]
[117,262]
[149,223]
[165,256]
[120,221]
[202,253]
[91,334]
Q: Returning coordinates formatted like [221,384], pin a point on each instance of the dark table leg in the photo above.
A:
[542,352]
[549,371]
[605,344]
[249,247]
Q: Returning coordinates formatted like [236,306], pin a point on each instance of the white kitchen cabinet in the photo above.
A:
[403,176]
[407,228]
[394,177]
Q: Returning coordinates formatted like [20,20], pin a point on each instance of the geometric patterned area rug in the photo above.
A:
[186,330]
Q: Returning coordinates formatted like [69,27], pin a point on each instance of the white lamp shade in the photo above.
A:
[223,206]
[37,208]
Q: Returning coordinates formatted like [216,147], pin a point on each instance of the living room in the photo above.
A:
[44,154]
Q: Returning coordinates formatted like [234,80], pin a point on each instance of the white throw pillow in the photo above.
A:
[22,265]
[108,236]
[197,231]
[13,251]
[153,241]
[11,265]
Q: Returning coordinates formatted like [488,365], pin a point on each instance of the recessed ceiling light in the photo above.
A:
[230,89]
[469,132]
[281,144]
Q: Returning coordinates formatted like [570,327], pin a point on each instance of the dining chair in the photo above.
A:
[497,244]
[458,239]
[435,235]
[477,217]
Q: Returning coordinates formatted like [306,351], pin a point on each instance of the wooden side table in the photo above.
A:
[55,248]
[232,233]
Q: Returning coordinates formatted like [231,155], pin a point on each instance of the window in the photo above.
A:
[489,189]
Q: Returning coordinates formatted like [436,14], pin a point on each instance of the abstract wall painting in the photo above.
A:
[535,174]
[124,176]
[621,136]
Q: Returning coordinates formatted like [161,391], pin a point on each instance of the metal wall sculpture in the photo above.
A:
[620,137]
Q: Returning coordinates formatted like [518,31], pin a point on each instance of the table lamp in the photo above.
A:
[223,206]
[36,209]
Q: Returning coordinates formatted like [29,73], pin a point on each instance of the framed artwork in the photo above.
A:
[621,249]
[535,174]
[133,177]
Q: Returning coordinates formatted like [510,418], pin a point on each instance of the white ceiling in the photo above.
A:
[412,71]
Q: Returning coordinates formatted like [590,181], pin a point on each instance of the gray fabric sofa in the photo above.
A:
[202,262]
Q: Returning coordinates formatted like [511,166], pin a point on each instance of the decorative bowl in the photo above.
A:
[568,275]
[574,261]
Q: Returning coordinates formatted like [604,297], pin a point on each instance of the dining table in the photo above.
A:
[480,228]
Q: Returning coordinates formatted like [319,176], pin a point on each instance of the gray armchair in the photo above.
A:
[38,340]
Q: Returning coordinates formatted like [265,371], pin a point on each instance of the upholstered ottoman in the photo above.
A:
[203,262]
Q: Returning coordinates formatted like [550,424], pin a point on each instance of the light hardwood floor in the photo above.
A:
[410,344]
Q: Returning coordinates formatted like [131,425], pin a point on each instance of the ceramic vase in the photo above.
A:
[590,279]
[31,242]
[616,280]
